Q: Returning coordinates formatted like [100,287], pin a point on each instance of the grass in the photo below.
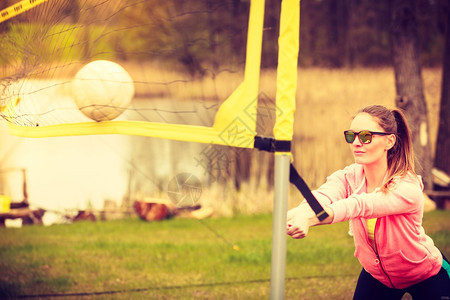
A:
[181,259]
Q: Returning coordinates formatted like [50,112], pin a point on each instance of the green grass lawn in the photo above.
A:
[181,259]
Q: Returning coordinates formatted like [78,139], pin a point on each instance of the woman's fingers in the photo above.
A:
[296,232]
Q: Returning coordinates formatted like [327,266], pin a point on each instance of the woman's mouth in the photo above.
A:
[357,153]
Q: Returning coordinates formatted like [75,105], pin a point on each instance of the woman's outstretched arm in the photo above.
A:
[301,218]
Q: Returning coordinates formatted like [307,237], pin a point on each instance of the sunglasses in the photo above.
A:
[365,136]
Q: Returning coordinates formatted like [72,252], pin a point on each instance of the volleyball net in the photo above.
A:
[194,68]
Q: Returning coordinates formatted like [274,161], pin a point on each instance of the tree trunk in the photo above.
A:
[442,158]
[408,82]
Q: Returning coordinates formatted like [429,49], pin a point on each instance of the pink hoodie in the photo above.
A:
[406,255]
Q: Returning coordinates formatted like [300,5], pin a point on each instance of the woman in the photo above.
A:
[382,198]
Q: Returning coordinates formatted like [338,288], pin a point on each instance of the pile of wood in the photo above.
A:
[84,215]
[22,210]
[153,209]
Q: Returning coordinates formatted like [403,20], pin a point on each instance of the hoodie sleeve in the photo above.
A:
[334,189]
[405,197]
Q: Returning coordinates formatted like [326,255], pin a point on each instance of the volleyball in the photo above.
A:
[102,90]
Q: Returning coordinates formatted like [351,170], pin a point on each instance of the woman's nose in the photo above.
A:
[357,142]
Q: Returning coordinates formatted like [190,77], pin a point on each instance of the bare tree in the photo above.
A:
[408,82]
[442,158]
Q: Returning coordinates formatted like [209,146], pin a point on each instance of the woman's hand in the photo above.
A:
[298,224]
[293,212]
[301,218]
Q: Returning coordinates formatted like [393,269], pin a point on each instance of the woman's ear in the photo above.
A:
[391,139]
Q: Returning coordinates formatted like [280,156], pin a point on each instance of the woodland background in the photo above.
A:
[333,33]
[346,60]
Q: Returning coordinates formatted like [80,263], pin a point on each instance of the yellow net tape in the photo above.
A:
[201,134]
[18,8]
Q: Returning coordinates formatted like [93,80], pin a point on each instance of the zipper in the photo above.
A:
[378,257]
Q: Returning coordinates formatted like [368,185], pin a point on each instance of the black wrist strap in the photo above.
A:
[271,145]
[298,181]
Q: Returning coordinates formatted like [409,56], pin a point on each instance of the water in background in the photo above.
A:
[82,171]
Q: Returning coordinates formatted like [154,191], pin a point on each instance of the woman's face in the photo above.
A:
[376,151]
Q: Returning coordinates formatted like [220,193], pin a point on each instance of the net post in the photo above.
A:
[281,186]
[283,131]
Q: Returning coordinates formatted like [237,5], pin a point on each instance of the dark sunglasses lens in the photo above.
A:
[349,136]
[365,137]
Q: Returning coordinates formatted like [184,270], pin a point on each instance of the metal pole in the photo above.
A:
[281,185]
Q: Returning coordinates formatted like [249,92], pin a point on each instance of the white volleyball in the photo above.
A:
[102,90]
